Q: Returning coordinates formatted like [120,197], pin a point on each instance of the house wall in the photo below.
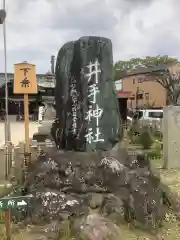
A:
[153,92]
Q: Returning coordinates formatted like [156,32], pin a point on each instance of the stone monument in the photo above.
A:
[88,116]
[91,172]
[171,139]
[87,179]
[49,115]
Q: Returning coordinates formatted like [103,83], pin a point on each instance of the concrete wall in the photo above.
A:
[12,159]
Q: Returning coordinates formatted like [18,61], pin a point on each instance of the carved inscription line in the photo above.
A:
[73,95]
[94,112]
[25,82]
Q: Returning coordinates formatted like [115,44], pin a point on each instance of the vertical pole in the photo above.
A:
[7,129]
[27,142]
[52,64]
[26,122]
[137,98]
[7,222]
[6,161]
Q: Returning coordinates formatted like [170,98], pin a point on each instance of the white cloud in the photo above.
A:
[36,29]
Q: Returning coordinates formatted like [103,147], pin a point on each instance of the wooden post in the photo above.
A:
[7,222]
[25,83]
[27,154]
[26,123]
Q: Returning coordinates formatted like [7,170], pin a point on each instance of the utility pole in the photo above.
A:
[7,130]
[7,127]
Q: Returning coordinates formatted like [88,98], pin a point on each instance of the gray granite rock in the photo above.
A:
[70,183]
[96,227]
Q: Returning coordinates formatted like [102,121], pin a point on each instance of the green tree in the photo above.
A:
[169,81]
[148,61]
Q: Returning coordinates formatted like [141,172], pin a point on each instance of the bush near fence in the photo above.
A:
[146,137]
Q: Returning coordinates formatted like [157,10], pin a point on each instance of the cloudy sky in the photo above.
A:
[36,29]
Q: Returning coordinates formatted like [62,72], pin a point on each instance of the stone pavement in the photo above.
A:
[17,131]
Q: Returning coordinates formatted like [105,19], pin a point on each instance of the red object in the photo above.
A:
[124,94]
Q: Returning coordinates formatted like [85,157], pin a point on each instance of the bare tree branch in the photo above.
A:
[169,81]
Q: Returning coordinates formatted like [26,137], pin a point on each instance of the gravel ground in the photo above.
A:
[17,131]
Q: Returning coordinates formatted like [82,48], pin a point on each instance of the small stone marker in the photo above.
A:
[171,140]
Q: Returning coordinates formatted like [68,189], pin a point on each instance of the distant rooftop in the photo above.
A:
[144,70]
[12,74]
[46,80]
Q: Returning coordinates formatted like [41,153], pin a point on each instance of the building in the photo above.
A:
[46,84]
[40,78]
[122,99]
[143,91]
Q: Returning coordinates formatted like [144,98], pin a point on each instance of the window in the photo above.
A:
[147,96]
[134,80]
[132,97]
[140,96]
[156,114]
[141,78]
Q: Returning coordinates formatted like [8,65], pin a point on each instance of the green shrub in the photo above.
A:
[133,133]
[158,135]
[154,154]
[143,133]
[145,138]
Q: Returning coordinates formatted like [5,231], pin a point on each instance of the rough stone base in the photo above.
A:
[68,184]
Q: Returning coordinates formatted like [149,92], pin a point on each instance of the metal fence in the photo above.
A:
[12,158]
[6,158]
